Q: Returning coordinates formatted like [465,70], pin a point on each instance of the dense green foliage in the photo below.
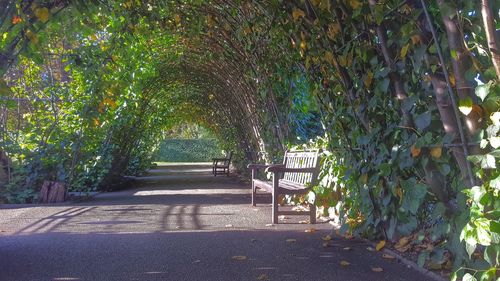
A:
[398,94]
[187,150]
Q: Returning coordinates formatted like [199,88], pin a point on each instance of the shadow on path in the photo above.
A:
[178,223]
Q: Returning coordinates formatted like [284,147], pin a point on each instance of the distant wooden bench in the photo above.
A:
[298,173]
[220,166]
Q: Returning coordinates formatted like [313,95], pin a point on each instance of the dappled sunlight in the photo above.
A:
[190,191]
[214,255]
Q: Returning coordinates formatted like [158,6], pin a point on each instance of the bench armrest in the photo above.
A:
[283,169]
[257,166]
[220,159]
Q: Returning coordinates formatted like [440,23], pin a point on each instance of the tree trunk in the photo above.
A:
[491,36]
[461,62]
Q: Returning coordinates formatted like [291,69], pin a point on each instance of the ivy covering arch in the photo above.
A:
[403,96]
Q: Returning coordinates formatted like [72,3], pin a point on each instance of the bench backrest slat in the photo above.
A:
[301,159]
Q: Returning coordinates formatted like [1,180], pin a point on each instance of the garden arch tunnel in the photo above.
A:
[383,78]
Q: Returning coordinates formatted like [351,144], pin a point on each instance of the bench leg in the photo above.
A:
[312,214]
[254,192]
[275,198]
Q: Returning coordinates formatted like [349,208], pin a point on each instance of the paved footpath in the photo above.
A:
[178,223]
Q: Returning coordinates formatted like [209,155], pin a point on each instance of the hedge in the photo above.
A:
[187,150]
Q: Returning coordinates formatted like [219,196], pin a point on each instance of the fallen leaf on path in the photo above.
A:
[434,265]
[403,241]
[326,238]
[310,230]
[291,240]
[403,244]
[404,248]
[263,276]
[345,263]
[371,249]
[380,245]
[327,244]
[389,257]
[239,258]
[346,248]
[377,269]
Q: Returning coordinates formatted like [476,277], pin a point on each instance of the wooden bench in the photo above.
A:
[220,166]
[298,173]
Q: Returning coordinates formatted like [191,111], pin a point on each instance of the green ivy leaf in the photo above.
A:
[423,120]
[485,161]
[482,231]
[495,183]
[465,105]
[422,258]
[482,91]
[492,254]
[494,142]
[468,277]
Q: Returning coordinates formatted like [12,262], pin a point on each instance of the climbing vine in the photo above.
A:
[402,96]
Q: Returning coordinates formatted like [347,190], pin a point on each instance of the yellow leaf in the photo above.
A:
[325,5]
[436,152]
[263,276]
[415,39]
[343,60]
[368,79]
[239,258]
[210,21]
[177,19]
[303,45]
[326,238]
[380,245]
[389,257]
[404,50]
[364,178]
[355,4]
[333,29]
[291,240]
[452,79]
[310,230]
[297,14]
[328,57]
[399,193]
[377,269]
[403,244]
[344,263]
[415,152]
[42,14]
[32,36]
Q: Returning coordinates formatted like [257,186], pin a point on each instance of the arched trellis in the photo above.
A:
[384,82]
